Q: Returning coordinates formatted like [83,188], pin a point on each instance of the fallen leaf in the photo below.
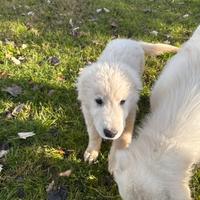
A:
[15,61]
[50,186]
[93,19]
[18,109]
[9,42]
[35,87]
[27,7]
[114,24]
[154,33]
[29,25]
[20,179]
[1,167]
[71,22]
[4,146]
[96,42]
[13,90]
[21,193]
[30,13]
[24,135]
[51,92]
[54,60]
[169,36]
[68,152]
[24,46]
[21,58]
[8,114]
[59,194]
[106,10]
[147,10]
[99,10]
[75,31]
[66,173]
[167,42]
[186,15]
[3,153]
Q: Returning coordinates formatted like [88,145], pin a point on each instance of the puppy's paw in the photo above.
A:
[90,155]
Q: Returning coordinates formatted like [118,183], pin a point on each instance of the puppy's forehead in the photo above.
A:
[113,82]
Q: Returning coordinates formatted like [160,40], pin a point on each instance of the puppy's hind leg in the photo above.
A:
[95,140]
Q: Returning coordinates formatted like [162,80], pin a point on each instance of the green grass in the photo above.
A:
[33,163]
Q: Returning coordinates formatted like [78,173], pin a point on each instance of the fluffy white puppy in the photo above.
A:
[158,164]
[108,91]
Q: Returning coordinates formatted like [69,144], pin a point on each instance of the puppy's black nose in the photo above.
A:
[109,133]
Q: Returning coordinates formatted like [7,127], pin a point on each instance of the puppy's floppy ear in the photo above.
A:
[80,80]
[82,83]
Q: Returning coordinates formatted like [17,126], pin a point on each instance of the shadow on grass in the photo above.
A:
[38,158]
[41,98]
[60,123]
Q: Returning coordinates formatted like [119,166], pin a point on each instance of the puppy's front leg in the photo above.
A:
[95,140]
[123,142]
[126,137]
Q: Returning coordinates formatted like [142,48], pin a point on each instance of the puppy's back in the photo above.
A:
[176,95]
[125,51]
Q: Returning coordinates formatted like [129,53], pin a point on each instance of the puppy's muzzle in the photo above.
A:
[110,133]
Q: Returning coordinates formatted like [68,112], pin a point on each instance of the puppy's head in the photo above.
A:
[108,93]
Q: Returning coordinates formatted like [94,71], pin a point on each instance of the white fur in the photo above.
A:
[114,77]
[158,164]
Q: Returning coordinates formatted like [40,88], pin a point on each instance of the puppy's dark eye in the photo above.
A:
[99,101]
[122,102]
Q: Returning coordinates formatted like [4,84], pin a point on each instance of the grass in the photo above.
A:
[37,30]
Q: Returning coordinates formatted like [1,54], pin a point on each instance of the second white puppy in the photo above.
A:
[109,91]
[158,164]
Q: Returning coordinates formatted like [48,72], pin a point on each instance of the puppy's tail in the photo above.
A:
[157,49]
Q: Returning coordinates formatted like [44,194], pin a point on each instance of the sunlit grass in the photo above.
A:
[51,108]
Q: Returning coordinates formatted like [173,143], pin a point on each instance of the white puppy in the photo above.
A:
[158,164]
[108,91]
